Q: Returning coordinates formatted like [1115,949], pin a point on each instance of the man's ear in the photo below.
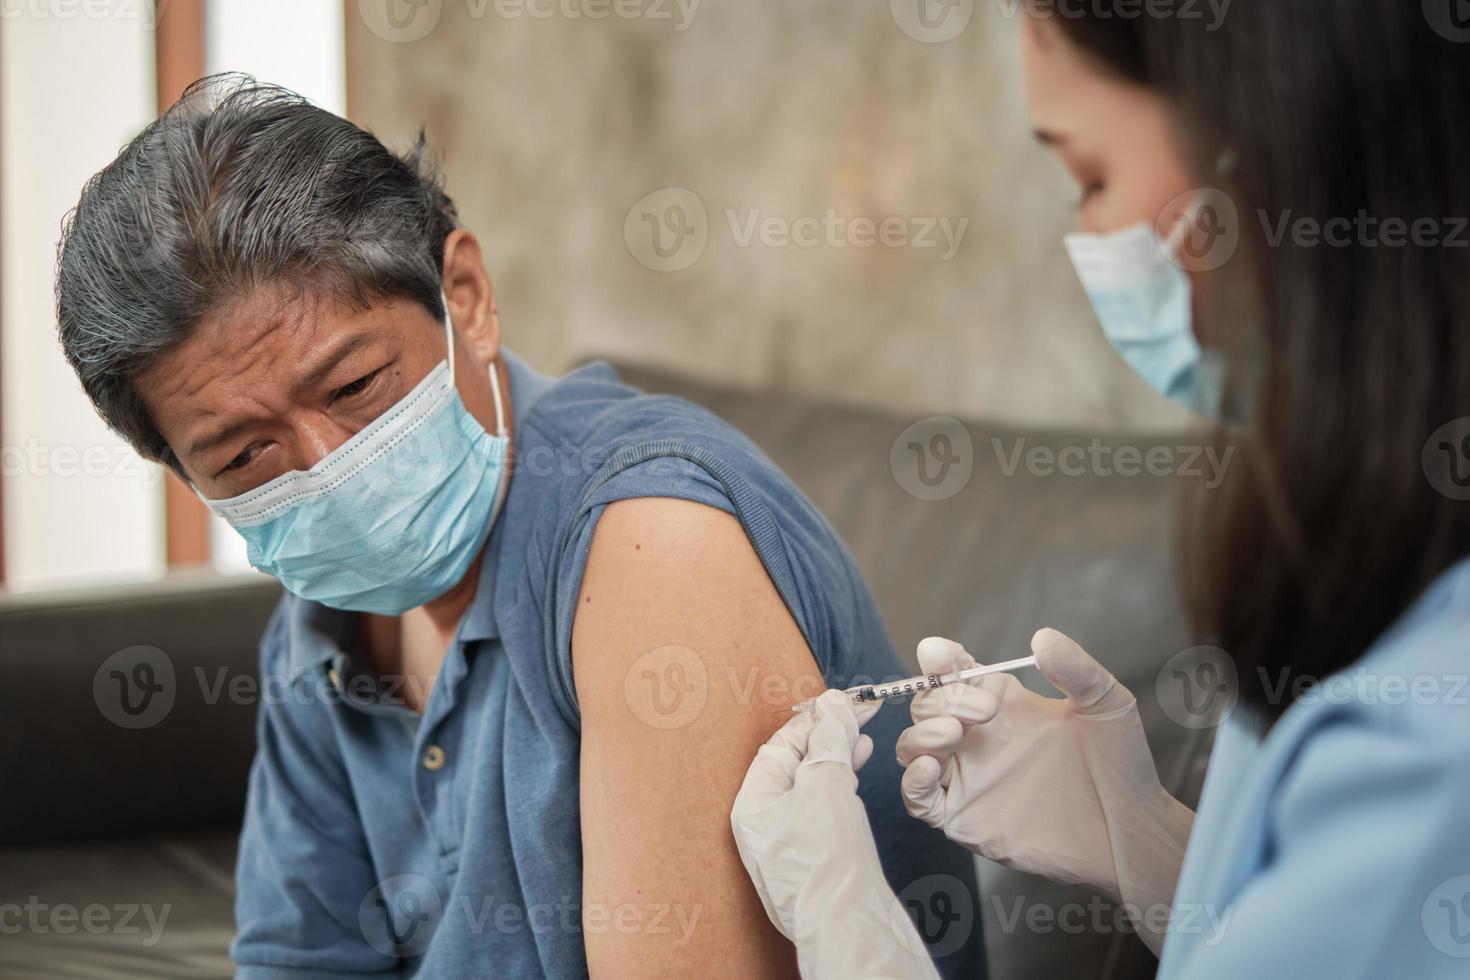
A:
[473,308]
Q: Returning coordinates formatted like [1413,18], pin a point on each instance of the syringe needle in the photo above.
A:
[924,682]
[980,670]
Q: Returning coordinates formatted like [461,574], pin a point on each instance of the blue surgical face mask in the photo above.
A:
[394,516]
[1144,302]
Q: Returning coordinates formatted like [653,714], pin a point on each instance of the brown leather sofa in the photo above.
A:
[104,825]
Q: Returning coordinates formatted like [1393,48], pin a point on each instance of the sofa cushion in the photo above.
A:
[131,709]
[149,908]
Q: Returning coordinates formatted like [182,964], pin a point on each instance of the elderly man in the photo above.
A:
[535,628]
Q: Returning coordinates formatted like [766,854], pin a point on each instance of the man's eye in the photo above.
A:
[357,387]
[241,460]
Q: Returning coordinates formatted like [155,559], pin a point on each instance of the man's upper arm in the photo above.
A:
[685,660]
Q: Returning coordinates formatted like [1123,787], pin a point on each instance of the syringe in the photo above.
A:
[864,693]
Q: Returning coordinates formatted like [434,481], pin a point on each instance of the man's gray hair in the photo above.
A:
[236,187]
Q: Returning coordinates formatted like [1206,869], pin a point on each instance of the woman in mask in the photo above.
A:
[1272,231]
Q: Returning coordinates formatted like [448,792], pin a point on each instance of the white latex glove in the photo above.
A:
[1062,787]
[803,836]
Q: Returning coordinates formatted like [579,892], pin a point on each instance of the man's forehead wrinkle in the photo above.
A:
[228,368]
[231,350]
[244,357]
[234,342]
[267,315]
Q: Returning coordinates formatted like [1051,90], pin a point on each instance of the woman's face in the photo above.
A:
[1120,143]
[1114,136]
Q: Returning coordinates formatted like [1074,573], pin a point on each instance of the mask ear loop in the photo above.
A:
[500,430]
[448,334]
[1224,166]
[1175,239]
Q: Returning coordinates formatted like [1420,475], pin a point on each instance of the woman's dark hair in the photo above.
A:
[1337,513]
[238,185]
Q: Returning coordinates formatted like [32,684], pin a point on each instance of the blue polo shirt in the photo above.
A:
[378,841]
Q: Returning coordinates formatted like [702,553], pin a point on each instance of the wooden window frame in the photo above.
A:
[179,60]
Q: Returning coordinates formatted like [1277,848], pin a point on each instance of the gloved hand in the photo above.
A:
[1062,787]
[804,838]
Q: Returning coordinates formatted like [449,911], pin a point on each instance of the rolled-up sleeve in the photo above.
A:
[303,872]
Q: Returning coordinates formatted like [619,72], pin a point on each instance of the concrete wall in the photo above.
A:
[569,140]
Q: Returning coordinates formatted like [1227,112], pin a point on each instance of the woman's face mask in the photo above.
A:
[1144,301]
[1118,140]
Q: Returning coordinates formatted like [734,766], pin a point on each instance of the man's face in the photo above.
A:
[271,384]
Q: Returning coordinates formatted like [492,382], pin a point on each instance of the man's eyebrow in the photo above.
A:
[347,346]
[206,443]
[335,355]
[1047,138]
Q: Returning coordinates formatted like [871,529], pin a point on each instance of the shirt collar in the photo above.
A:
[526,388]
[1449,591]
[314,633]
[317,633]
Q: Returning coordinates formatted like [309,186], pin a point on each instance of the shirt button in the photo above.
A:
[433,758]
